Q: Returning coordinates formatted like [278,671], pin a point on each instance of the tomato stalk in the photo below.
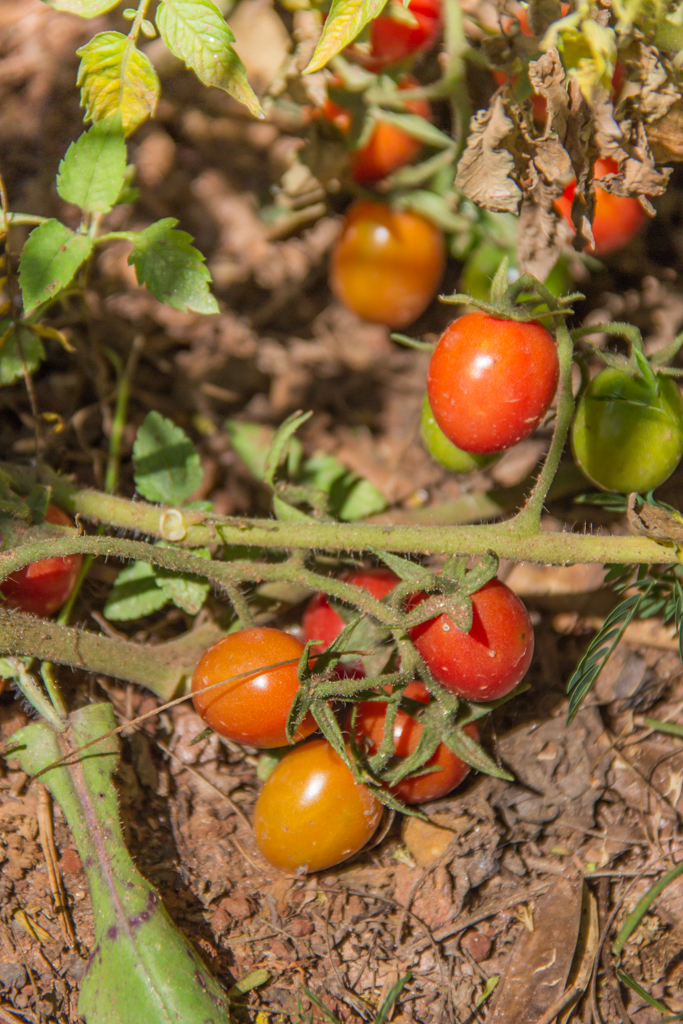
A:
[527,520]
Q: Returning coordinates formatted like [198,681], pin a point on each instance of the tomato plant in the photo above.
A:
[626,436]
[616,219]
[491,381]
[251,710]
[310,813]
[321,622]
[386,264]
[369,728]
[490,660]
[444,451]
[41,588]
[392,40]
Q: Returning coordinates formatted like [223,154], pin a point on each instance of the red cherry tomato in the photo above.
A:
[616,218]
[489,661]
[491,381]
[392,40]
[42,587]
[387,264]
[251,710]
[370,720]
[311,814]
[321,622]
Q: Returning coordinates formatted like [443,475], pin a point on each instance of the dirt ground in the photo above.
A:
[494,884]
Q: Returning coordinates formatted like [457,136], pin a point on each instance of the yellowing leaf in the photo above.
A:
[346,19]
[197,33]
[83,8]
[115,76]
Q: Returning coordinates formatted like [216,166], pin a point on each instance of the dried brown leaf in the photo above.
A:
[484,171]
[541,959]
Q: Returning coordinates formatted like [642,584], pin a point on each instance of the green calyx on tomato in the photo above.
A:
[626,435]
[444,451]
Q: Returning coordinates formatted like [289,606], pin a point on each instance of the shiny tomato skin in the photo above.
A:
[311,814]
[386,264]
[392,41]
[490,660]
[370,720]
[42,587]
[250,710]
[491,381]
[616,218]
[624,437]
[321,622]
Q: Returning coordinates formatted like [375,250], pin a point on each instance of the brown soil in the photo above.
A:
[494,883]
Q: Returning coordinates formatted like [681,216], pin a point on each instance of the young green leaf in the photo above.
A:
[171,267]
[83,8]
[184,590]
[91,175]
[115,76]
[167,467]
[15,342]
[136,593]
[49,260]
[196,32]
[344,22]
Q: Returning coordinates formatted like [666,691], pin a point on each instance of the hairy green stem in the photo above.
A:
[160,668]
[200,530]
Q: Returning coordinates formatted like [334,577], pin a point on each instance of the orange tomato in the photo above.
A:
[251,710]
[386,264]
[311,814]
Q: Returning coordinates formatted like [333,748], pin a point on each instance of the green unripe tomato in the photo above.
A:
[444,451]
[624,436]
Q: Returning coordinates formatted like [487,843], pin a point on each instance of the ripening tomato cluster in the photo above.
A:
[311,813]
[491,381]
[41,588]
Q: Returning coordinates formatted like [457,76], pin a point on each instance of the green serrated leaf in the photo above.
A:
[185,590]
[115,76]
[363,499]
[173,270]
[83,8]
[344,22]
[197,33]
[467,750]
[15,341]
[136,593]
[167,467]
[92,173]
[49,260]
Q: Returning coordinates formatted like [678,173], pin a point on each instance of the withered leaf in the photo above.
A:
[549,81]
[655,522]
[484,171]
[665,136]
[540,962]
